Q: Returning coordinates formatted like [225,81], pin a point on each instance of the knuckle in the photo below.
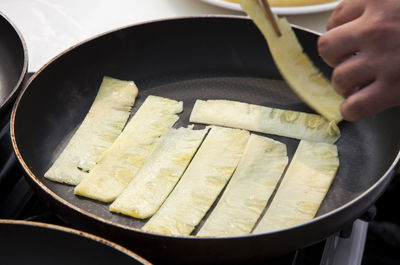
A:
[376,29]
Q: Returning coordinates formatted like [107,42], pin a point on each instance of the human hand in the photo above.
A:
[362,43]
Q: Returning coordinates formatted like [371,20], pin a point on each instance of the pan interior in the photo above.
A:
[56,247]
[186,59]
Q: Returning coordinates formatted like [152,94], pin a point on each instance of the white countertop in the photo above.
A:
[51,26]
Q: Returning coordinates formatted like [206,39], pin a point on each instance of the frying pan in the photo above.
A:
[13,62]
[188,59]
[13,67]
[25,242]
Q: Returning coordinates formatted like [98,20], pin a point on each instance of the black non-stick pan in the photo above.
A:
[13,62]
[13,67]
[24,242]
[188,59]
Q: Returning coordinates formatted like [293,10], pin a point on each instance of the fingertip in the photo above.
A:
[358,105]
[365,103]
[334,20]
[352,73]
[323,47]
[322,42]
[345,11]
[347,113]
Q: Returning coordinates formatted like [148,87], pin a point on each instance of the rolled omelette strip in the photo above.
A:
[159,175]
[303,188]
[294,124]
[126,156]
[249,189]
[200,185]
[101,126]
[294,65]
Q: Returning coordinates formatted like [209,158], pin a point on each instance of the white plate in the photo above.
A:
[295,10]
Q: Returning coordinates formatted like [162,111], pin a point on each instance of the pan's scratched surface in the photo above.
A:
[188,59]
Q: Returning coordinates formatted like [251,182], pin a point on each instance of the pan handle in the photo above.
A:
[346,251]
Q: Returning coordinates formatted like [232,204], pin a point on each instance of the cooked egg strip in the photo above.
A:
[200,185]
[159,175]
[249,189]
[303,188]
[294,65]
[127,155]
[294,124]
[101,126]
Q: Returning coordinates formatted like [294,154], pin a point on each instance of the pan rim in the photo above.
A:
[79,233]
[75,208]
[14,91]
